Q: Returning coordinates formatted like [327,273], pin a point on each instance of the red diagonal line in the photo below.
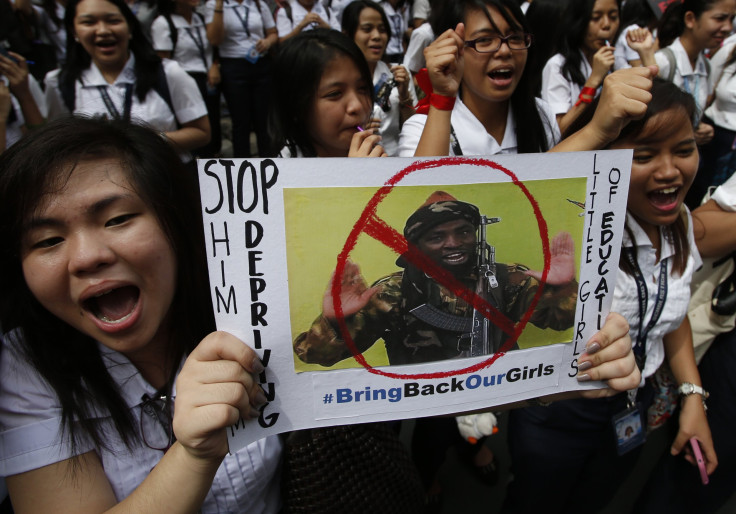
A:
[384,233]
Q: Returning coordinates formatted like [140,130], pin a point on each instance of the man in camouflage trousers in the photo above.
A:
[444,229]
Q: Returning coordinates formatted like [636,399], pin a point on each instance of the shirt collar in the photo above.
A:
[641,239]
[683,61]
[92,76]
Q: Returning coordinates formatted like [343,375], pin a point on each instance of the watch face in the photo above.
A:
[687,388]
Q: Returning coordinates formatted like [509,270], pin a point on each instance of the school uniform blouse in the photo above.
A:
[626,299]
[723,109]
[420,39]
[557,90]
[284,25]
[237,41]
[389,120]
[13,131]
[725,195]
[399,20]
[622,52]
[154,111]
[190,37]
[31,437]
[472,135]
[695,81]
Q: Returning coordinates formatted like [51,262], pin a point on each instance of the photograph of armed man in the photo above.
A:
[420,319]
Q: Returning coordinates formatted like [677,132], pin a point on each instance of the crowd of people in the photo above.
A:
[105,314]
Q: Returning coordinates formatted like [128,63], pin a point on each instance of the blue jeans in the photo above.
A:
[247,89]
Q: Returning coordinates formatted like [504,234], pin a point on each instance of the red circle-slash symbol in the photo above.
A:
[376,228]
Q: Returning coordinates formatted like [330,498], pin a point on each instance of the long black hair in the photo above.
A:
[351,17]
[576,20]
[672,23]
[531,135]
[545,19]
[665,96]
[78,60]
[34,168]
[306,56]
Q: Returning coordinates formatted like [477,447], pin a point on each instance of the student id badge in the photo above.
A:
[252,55]
[629,429]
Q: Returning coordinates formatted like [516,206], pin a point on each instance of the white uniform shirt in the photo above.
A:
[622,52]
[237,42]
[421,9]
[13,131]
[725,195]
[471,134]
[187,52]
[420,39]
[399,21]
[626,299]
[723,109]
[560,93]
[694,81]
[154,111]
[30,423]
[285,26]
[390,120]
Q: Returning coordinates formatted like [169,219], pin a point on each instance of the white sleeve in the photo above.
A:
[411,133]
[556,90]
[209,11]
[283,24]
[54,103]
[185,96]
[161,35]
[30,416]
[414,55]
[38,96]
[663,63]
[725,195]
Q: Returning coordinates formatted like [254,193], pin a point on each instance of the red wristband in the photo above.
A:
[586,96]
[441,102]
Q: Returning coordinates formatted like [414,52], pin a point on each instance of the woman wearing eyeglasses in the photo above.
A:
[481,99]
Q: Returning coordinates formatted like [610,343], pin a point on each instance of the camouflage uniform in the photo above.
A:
[409,340]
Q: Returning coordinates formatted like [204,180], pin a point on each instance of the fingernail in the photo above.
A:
[257,366]
[584,366]
[254,413]
[260,398]
[583,378]
[592,348]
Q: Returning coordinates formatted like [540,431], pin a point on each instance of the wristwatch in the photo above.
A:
[686,389]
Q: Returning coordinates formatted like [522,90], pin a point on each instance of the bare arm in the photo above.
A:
[445,67]
[678,346]
[624,97]
[191,135]
[216,28]
[713,227]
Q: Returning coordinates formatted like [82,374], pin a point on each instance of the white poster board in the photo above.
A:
[277,229]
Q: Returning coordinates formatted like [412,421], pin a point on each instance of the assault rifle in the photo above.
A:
[476,329]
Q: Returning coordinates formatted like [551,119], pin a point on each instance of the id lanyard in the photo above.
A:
[110,106]
[197,38]
[643,295]
[243,19]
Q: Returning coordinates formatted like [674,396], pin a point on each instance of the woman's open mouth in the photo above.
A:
[114,306]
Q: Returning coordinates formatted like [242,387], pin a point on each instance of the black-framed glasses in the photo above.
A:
[489,44]
[156,422]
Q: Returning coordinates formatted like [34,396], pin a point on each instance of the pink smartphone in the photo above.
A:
[699,459]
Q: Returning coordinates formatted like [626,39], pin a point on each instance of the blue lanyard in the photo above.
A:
[197,38]
[110,106]
[243,19]
[659,301]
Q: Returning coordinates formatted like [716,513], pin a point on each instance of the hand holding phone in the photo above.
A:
[699,459]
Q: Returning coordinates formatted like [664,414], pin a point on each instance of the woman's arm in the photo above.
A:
[714,230]
[214,389]
[445,67]
[602,63]
[624,97]
[17,74]
[272,37]
[216,28]
[191,135]
[678,347]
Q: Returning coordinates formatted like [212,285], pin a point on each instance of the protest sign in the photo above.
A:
[276,230]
